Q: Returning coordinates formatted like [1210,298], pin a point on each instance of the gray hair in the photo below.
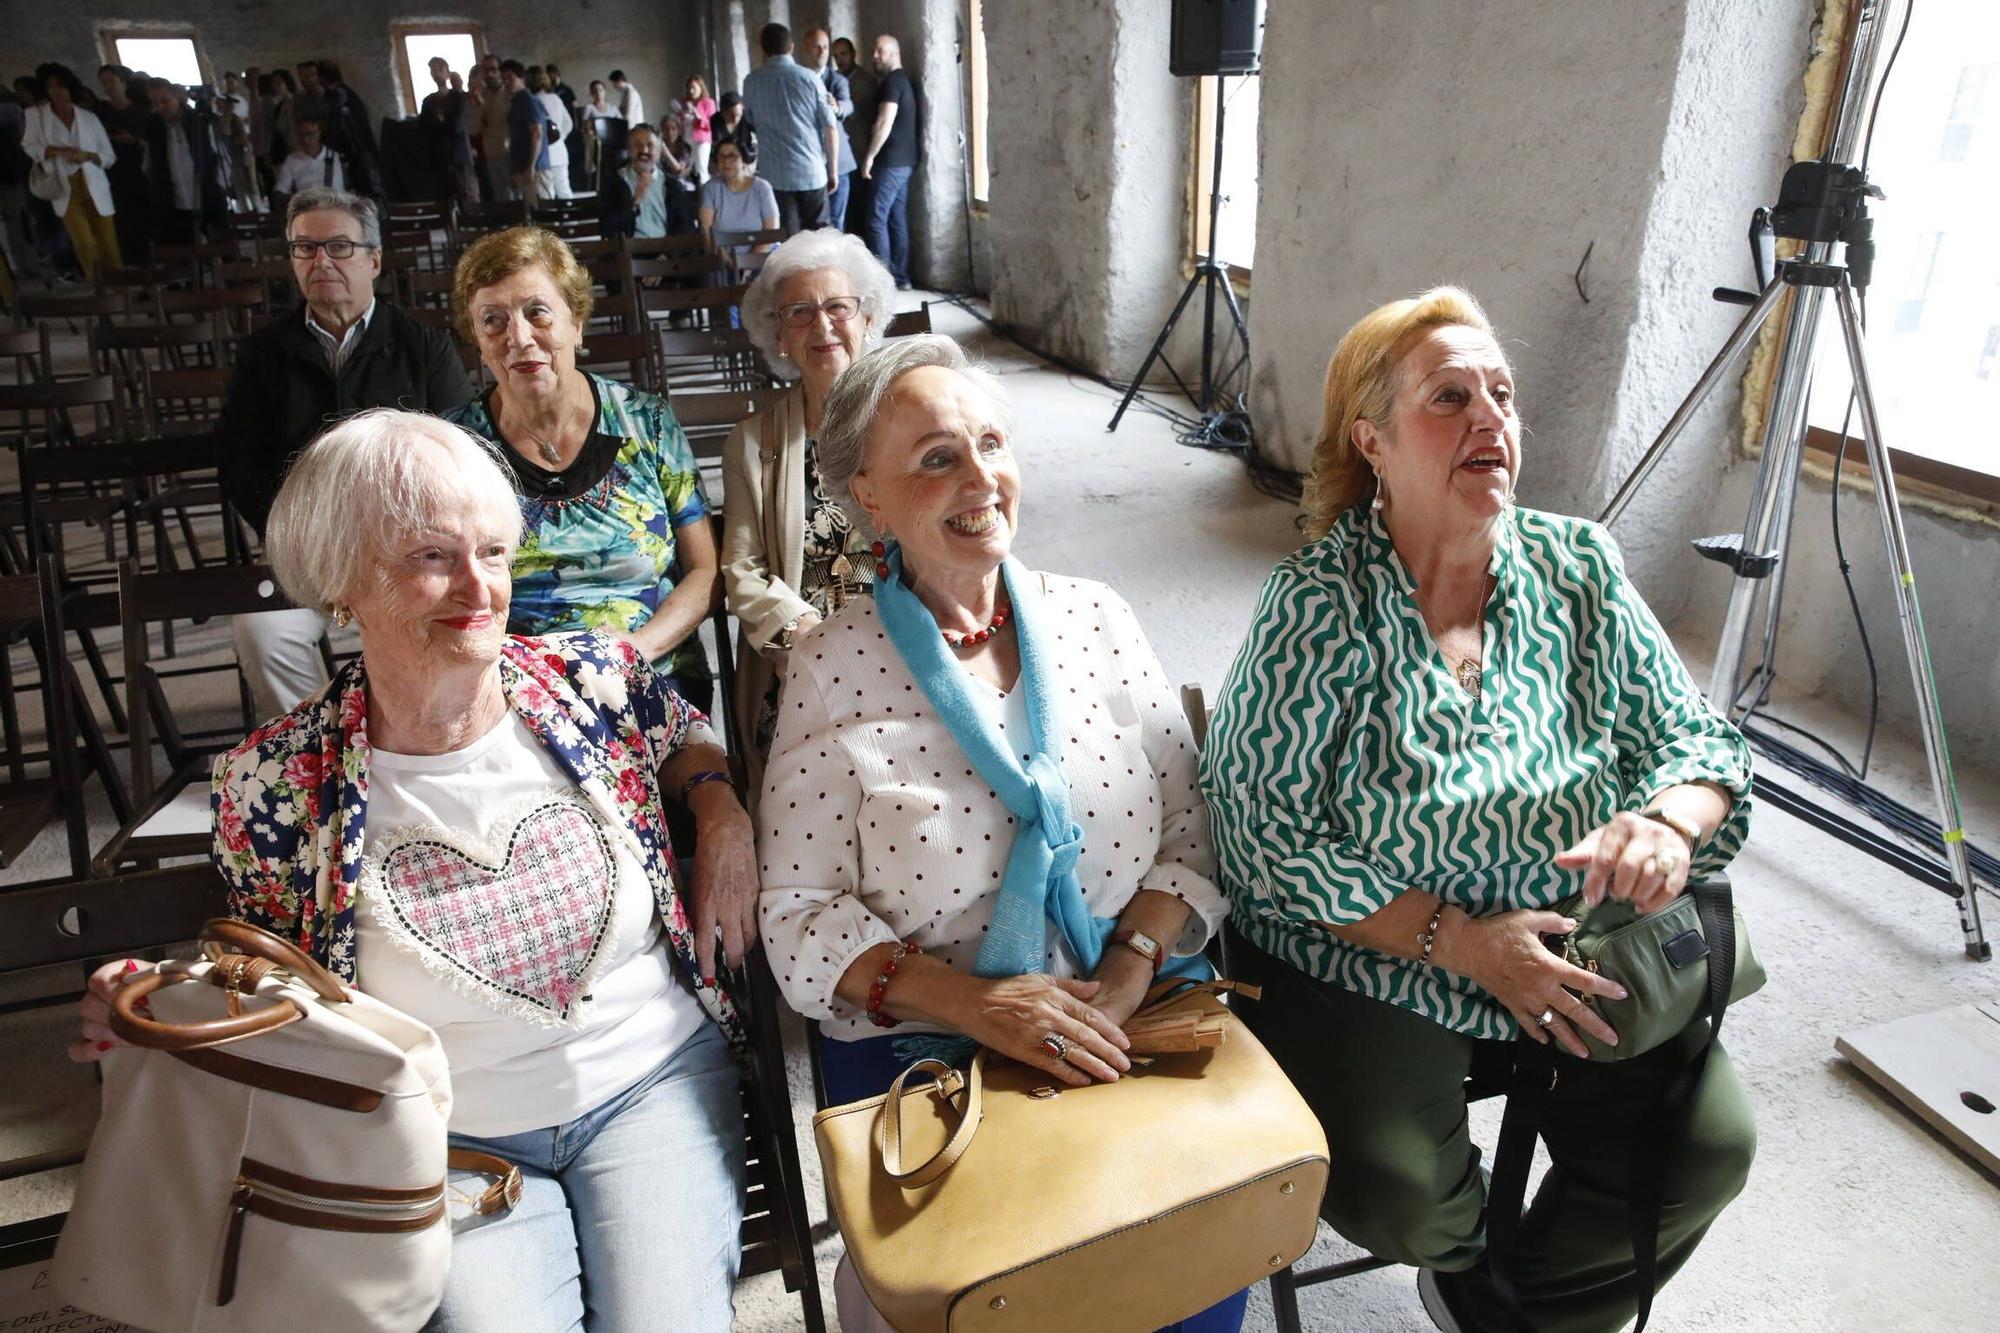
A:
[857,396]
[365,480]
[324,198]
[808,252]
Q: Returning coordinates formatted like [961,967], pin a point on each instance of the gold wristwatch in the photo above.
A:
[1680,824]
[1144,945]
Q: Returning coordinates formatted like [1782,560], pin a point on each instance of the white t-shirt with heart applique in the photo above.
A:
[499,908]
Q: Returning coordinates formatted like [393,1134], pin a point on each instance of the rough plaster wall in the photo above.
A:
[1482,144]
[1736,106]
[648,40]
[1089,146]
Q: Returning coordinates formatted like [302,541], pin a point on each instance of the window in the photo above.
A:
[460,45]
[975,81]
[1236,224]
[1931,339]
[171,57]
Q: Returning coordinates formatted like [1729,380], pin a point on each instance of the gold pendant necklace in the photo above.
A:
[1471,670]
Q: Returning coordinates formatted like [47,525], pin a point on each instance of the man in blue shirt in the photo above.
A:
[798,150]
[527,135]
[814,52]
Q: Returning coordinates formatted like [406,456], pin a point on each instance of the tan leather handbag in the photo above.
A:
[271,1150]
[998,1200]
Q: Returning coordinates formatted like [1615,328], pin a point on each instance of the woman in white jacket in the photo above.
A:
[70,145]
[560,125]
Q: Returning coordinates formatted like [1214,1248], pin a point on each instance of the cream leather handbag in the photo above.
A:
[271,1153]
[1032,1207]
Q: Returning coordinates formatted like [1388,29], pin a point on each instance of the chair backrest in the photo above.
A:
[182,400]
[906,322]
[699,301]
[56,402]
[72,306]
[81,920]
[631,355]
[640,247]
[146,599]
[678,266]
[707,418]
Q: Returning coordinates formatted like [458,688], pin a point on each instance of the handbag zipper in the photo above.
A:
[365,1215]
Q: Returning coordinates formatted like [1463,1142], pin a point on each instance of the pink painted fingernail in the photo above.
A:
[103,1046]
[131,965]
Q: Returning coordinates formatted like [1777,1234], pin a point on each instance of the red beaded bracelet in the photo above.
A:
[879,988]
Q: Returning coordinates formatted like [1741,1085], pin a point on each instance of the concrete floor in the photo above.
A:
[1856,1217]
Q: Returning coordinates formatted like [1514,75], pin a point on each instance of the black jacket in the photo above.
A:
[283,394]
[211,165]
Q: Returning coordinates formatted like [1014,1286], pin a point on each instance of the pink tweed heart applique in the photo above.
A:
[521,933]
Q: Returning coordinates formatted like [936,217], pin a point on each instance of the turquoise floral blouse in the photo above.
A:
[598,547]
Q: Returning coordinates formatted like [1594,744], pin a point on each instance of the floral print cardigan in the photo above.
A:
[290,804]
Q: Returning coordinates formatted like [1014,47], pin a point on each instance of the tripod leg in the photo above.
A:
[1771,496]
[1930,716]
[1746,329]
[1159,345]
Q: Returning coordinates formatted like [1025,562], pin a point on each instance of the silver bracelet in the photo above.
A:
[1428,938]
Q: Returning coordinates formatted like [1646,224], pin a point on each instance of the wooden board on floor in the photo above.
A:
[1945,1066]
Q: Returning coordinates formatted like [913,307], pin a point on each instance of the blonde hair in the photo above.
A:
[1361,386]
[500,255]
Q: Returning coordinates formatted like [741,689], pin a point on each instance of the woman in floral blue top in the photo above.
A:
[617,536]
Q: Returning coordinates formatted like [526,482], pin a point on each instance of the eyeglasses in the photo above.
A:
[337,248]
[800,314]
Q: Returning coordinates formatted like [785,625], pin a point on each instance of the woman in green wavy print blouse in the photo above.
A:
[616,529]
[1451,713]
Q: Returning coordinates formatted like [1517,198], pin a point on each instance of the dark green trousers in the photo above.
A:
[1387,1085]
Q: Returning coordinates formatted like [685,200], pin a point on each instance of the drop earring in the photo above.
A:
[880,551]
[342,617]
[1381,500]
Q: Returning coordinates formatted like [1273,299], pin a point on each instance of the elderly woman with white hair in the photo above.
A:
[469,827]
[980,823]
[791,556]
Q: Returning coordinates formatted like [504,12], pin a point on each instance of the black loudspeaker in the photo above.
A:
[1216,36]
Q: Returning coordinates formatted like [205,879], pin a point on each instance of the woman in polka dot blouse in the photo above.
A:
[878,829]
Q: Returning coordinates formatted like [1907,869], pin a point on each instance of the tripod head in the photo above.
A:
[1819,203]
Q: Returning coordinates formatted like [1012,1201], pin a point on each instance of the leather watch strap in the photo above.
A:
[503,1193]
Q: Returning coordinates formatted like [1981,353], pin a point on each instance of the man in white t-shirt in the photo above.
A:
[626,98]
[312,164]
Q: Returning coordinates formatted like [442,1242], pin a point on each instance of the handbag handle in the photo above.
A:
[889,1128]
[134,1027]
[225,933]
[221,938]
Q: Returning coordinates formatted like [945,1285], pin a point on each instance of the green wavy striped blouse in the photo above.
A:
[1344,765]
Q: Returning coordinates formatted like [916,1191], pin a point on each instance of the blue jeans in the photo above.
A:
[836,203]
[889,220]
[628,1217]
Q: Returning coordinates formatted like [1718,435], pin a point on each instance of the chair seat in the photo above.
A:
[187,815]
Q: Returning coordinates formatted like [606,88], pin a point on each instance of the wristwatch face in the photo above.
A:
[1145,945]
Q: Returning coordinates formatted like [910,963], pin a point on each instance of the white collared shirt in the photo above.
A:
[339,349]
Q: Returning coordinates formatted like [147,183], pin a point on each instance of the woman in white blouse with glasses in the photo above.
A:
[980,821]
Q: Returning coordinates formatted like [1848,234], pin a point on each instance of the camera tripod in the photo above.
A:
[1208,278]
[1820,203]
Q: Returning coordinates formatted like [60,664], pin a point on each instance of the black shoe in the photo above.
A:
[1445,1312]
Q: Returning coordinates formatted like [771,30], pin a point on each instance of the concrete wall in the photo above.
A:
[652,43]
[1090,158]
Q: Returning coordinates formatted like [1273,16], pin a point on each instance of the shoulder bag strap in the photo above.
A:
[889,1127]
[1534,1075]
[503,1193]
[1662,1136]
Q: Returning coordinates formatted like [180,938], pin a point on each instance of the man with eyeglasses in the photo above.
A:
[340,351]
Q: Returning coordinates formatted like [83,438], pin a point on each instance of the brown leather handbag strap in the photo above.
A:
[889,1126]
[225,935]
[503,1193]
[133,1026]
[1166,992]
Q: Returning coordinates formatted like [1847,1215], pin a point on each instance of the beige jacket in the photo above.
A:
[763,541]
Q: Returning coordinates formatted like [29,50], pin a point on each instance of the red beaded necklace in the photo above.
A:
[880,551]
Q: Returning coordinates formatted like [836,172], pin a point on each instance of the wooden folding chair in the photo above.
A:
[625,356]
[711,361]
[71,308]
[170,816]
[706,307]
[657,247]
[185,401]
[709,417]
[906,322]
[228,306]
[423,289]
[41,787]
[126,351]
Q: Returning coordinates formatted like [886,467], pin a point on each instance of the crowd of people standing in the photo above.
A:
[92,177]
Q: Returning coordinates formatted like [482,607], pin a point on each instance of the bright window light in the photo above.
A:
[455,47]
[1932,322]
[170,58]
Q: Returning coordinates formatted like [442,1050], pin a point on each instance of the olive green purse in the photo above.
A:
[1661,960]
